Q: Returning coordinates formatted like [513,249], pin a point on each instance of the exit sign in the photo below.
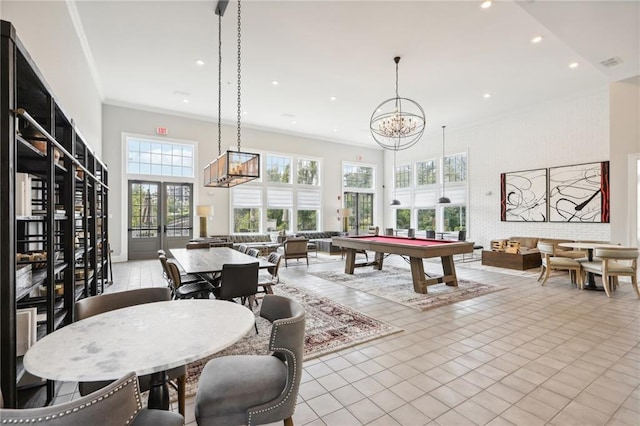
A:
[162,130]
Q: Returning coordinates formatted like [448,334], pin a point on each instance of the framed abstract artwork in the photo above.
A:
[523,196]
[579,193]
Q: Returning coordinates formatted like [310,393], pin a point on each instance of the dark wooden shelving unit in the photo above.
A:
[45,161]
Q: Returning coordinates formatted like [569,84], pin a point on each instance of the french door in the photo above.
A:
[160,217]
[361,205]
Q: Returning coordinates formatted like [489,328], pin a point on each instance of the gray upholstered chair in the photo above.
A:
[550,262]
[296,248]
[431,233]
[116,404]
[257,389]
[238,280]
[616,262]
[242,248]
[94,305]
[388,231]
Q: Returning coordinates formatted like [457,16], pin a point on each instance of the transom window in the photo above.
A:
[357,176]
[159,158]
[278,169]
[308,172]
[426,173]
[455,168]
[403,176]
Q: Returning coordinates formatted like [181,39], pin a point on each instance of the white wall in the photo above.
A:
[117,120]
[625,140]
[47,31]
[558,133]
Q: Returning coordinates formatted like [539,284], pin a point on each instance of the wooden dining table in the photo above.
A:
[206,261]
[589,247]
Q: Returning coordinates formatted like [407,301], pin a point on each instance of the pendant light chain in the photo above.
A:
[239,52]
[220,84]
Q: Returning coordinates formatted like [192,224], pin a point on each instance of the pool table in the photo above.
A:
[415,248]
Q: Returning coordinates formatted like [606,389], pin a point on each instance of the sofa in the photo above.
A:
[321,240]
[260,241]
[527,255]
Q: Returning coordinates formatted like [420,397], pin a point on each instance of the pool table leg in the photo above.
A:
[350,261]
[378,260]
[449,271]
[417,275]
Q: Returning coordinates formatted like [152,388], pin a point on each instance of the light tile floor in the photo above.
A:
[527,355]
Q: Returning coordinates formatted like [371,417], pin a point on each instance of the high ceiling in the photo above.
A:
[453,52]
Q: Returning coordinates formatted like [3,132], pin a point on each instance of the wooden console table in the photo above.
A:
[520,261]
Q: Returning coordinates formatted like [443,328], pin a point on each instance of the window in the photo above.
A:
[278,169]
[403,176]
[455,218]
[455,168]
[308,172]
[288,198]
[403,218]
[158,158]
[426,219]
[357,176]
[425,173]
[246,220]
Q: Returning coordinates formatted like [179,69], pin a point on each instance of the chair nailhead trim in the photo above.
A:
[133,380]
[295,361]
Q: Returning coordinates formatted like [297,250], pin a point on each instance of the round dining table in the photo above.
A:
[589,247]
[148,339]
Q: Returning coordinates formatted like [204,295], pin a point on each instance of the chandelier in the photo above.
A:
[397,123]
[231,168]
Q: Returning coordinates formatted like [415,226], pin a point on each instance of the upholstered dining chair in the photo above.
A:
[388,231]
[192,290]
[296,248]
[257,389]
[116,404]
[197,245]
[431,233]
[616,262]
[242,248]
[266,282]
[94,305]
[462,236]
[551,262]
[238,280]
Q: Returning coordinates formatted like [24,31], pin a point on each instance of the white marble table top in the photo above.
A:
[144,338]
[589,246]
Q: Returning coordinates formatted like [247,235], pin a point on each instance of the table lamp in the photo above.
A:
[204,212]
[345,213]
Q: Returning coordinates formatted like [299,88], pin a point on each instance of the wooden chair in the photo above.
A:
[192,290]
[116,404]
[296,248]
[94,305]
[267,282]
[257,389]
[616,262]
[253,252]
[551,262]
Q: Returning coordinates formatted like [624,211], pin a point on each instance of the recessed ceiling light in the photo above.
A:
[573,65]
[186,101]
[536,39]
[294,122]
[199,62]
[485,4]
[333,98]
[335,130]
[244,112]
[486,95]
[275,82]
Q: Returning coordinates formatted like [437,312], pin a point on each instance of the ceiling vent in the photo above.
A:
[611,62]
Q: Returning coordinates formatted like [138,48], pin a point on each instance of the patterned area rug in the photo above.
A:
[529,273]
[329,327]
[395,284]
